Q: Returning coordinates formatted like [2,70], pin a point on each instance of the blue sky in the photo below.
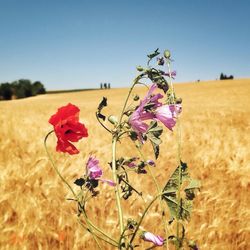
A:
[79,44]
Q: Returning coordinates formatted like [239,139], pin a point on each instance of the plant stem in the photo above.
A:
[143,215]
[71,189]
[136,80]
[98,119]
[54,166]
[178,161]
[117,191]
[98,236]
[158,190]
[179,182]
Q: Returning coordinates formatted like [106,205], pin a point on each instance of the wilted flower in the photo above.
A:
[151,162]
[157,240]
[68,128]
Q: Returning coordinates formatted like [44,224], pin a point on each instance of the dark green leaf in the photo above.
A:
[188,185]
[102,104]
[153,134]
[154,54]
[79,182]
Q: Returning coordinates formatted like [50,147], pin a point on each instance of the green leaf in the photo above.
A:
[153,134]
[154,54]
[156,149]
[188,188]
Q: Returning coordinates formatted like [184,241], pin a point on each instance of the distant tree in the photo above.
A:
[105,85]
[225,77]
[38,88]
[108,85]
[101,86]
[22,88]
[222,77]
[6,91]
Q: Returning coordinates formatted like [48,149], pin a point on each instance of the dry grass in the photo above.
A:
[215,134]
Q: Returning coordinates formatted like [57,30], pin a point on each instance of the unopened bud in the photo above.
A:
[167,54]
[178,101]
[160,61]
[139,68]
[136,98]
[112,119]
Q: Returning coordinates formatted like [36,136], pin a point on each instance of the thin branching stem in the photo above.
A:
[98,119]
[72,191]
[158,188]
[143,215]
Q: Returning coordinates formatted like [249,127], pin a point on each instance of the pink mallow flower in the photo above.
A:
[94,171]
[168,114]
[138,117]
[150,108]
[157,240]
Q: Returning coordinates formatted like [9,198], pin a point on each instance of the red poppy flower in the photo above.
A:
[68,128]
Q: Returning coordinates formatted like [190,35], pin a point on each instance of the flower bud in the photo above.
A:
[178,100]
[136,98]
[167,54]
[157,240]
[151,163]
[160,61]
[113,119]
[139,68]
[192,245]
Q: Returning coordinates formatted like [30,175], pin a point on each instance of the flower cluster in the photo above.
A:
[151,109]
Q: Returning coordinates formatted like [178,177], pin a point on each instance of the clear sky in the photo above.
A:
[81,43]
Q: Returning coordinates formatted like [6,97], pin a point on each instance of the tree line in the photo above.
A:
[225,77]
[20,89]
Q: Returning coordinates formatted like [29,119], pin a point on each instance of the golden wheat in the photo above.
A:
[34,212]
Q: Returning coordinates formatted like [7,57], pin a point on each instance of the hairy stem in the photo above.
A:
[117,191]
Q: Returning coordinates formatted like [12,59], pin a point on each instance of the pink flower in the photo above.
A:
[157,240]
[143,113]
[150,108]
[94,171]
[168,114]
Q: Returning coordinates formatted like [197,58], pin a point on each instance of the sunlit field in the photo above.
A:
[215,123]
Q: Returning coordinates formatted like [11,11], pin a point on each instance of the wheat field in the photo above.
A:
[215,124]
